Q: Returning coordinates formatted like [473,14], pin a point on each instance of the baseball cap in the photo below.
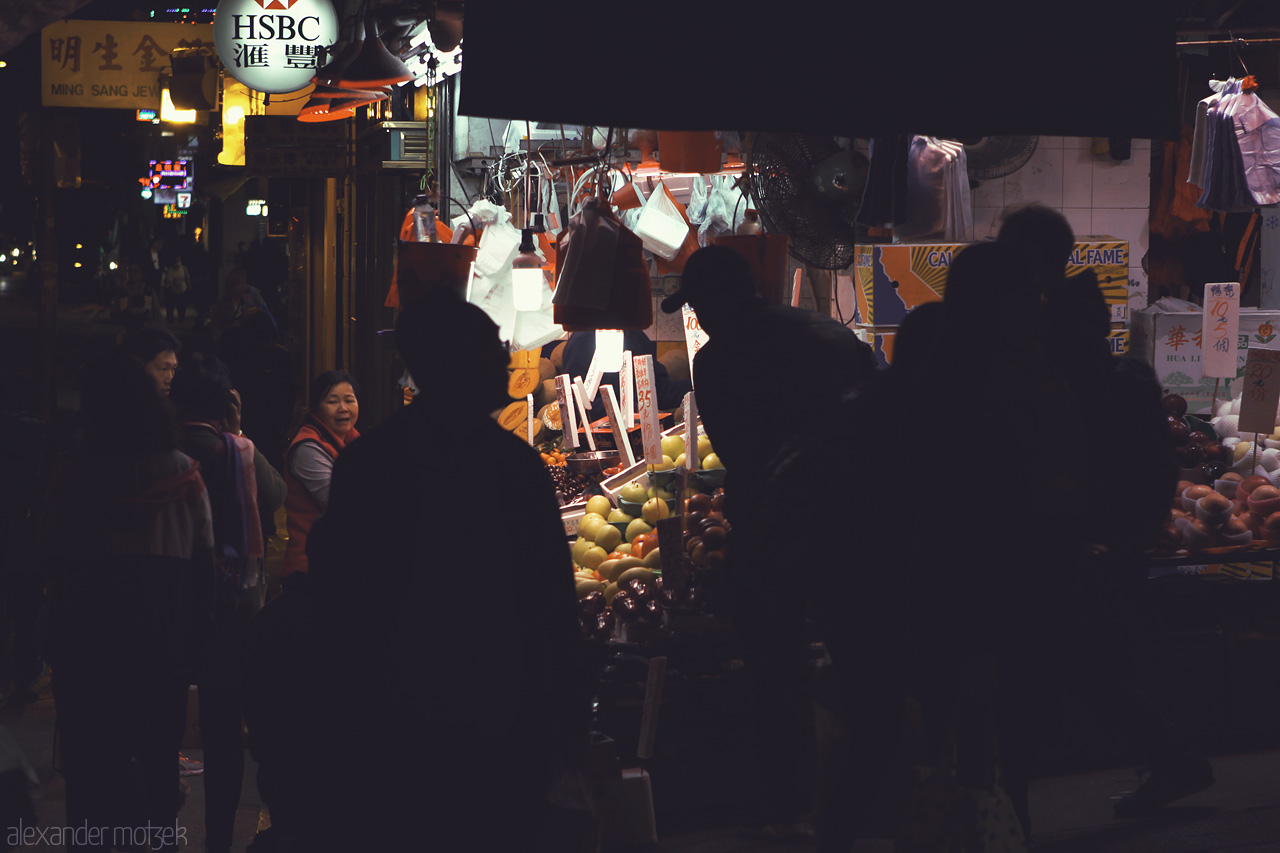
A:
[712,272]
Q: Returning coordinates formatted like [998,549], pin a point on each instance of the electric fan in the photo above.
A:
[992,157]
[808,187]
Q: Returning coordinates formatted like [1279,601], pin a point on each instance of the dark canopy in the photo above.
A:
[1089,68]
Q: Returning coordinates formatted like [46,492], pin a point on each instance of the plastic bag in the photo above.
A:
[716,219]
[661,228]
[698,197]
[499,244]
[603,278]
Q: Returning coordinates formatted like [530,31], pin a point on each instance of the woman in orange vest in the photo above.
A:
[329,426]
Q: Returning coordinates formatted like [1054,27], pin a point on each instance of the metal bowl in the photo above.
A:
[592,461]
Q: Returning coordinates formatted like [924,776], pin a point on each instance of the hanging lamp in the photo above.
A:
[375,65]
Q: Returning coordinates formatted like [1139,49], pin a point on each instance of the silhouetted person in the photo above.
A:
[26,455]
[752,400]
[129,548]
[1118,396]
[263,372]
[517,692]
[242,486]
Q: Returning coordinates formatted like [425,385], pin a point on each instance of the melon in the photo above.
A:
[676,361]
[546,369]
[545,394]
[550,416]
[523,381]
[557,357]
[513,417]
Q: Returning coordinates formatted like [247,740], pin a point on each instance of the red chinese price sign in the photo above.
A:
[1260,391]
[626,391]
[647,402]
[1221,330]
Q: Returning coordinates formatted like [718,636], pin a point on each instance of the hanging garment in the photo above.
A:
[938,198]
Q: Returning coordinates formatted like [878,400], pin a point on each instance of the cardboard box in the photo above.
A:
[1170,342]
[890,279]
[881,338]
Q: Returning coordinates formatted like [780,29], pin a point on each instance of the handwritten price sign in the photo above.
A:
[1221,329]
[694,337]
[1260,392]
[646,400]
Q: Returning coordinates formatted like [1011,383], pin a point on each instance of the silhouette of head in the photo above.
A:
[989,286]
[1044,239]
[716,283]
[438,323]
[202,388]
[124,412]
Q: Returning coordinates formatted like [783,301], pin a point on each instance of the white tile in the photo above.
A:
[986,222]
[1081,219]
[1050,142]
[988,193]
[1128,225]
[1122,183]
[1142,145]
[1040,180]
[1077,178]
[1076,142]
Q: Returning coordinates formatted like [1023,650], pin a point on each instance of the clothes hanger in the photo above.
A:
[1247,83]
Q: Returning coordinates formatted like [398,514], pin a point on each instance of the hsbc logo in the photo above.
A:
[274,46]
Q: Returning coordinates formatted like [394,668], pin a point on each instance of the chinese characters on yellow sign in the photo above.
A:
[111,64]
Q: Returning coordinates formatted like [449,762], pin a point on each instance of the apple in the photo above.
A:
[715,537]
[599,504]
[672,445]
[617,515]
[634,492]
[1174,404]
[655,509]
[590,525]
[609,537]
[711,461]
[702,503]
[637,527]
[1178,429]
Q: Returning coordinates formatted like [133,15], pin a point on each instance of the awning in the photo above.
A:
[1091,68]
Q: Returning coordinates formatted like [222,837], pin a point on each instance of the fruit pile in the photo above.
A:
[707,532]
[571,487]
[1197,448]
[1233,512]
[553,458]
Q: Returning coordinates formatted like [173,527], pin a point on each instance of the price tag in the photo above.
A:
[694,337]
[1260,391]
[592,385]
[528,400]
[619,431]
[646,399]
[568,410]
[1221,330]
[690,433]
[626,393]
[580,394]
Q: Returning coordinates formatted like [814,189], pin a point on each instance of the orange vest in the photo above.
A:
[300,510]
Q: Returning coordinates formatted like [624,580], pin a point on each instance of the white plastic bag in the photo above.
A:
[661,228]
[499,245]
[696,210]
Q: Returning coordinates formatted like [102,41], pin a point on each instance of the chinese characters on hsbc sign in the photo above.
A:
[274,46]
[110,64]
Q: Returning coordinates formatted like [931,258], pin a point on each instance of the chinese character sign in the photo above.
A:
[694,337]
[646,400]
[111,64]
[1260,391]
[274,47]
[1221,329]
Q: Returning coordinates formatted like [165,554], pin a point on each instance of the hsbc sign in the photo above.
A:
[274,46]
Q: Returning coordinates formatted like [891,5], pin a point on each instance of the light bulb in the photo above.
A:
[527,278]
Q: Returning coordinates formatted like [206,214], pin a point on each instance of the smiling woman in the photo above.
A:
[330,425]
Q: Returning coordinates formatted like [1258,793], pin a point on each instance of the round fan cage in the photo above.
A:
[993,157]
[784,189]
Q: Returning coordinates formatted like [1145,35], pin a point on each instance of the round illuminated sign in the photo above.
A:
[274,46]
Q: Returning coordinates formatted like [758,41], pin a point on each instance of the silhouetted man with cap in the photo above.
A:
[765,375]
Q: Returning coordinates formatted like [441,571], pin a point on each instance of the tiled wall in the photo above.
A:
[1098,195]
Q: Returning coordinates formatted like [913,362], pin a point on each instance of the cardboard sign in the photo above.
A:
[591,386]
[694,337]
[580,394]
[620,439]
[1221,329]
[690,433]
[568,410]
[647,400]
[626,394]
[1260,393]
[528,402]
